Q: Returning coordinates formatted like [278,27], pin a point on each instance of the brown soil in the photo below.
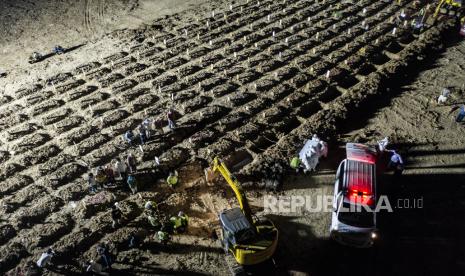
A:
[249,83]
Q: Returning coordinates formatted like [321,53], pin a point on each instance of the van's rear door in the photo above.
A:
[361,152]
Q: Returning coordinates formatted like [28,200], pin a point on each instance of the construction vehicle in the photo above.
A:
[448,7]
[250,240]
[444,9]
[355,185]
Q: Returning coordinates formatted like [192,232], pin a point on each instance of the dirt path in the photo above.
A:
[27,26]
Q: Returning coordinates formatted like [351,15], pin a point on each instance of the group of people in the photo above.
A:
[105,176]
[36,56]
[91,267]
[163,226]
[124,170]
[315,148]
[103,262]
[149,127]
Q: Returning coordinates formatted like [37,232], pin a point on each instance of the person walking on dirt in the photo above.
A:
[461,114]
[152,216]
[121,169]
[417,24]
[101,177]
[142,134]
[156,162]
[110,175]
[148,126]
[132,183]
[131,163]
[396,159]
[311,158]
[172,179]
[163,234]
[129,137]
[402,16]
[116,215]
[150,206]
[133,241]
[179,222]
[154,221]
[93,268]
[158,125]
[382,144]
[104,253]
[45,258]
[321,146]
[92,184]
[171,119]
[35,57]
[58,50]
[444,95]
[396,163]
[163,237]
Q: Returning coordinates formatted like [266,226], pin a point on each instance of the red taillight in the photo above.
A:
[362,197]
[360,193]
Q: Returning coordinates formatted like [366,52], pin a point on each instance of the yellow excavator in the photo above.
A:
[445,9]
[448,7]
[250,240]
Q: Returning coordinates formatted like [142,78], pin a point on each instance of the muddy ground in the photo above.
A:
[248,80]
[425,241]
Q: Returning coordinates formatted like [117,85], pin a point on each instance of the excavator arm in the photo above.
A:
[218,165]
[245,247]
[438,8]
[451,3]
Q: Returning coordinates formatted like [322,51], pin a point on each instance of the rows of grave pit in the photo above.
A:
[271,114]
[71,122]
[241,98]
[230,121]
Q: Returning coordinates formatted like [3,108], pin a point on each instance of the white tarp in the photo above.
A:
[310,154]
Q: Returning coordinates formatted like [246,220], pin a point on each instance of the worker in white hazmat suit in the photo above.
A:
[311,153]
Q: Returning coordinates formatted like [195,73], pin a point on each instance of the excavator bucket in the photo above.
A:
[234,161]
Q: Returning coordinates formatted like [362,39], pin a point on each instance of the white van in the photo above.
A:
[353,220]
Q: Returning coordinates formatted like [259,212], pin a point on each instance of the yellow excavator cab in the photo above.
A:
[251,241]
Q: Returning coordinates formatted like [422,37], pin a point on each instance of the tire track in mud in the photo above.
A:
[87,19]
[94,16]
[101,13]
[102,9]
